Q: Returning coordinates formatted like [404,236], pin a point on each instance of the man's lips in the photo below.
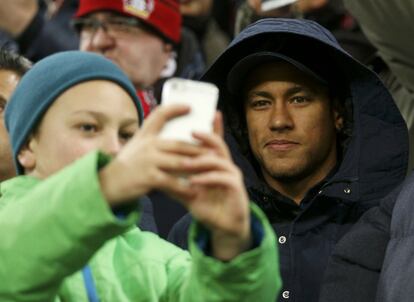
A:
[281,144]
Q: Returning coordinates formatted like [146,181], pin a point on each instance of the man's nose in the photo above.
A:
[99,41]
[281,117]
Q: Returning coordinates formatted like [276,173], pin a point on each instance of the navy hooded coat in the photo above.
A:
[373,162]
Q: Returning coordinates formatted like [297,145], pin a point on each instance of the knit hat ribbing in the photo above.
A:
[46,81]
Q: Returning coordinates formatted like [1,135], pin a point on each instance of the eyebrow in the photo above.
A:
[299,88]
[103,117]
[259,93]
[296,89]
[290,91]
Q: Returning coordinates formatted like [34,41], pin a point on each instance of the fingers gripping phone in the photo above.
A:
[201,97]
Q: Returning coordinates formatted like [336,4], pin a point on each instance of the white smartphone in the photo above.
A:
[273,4]
[201,97]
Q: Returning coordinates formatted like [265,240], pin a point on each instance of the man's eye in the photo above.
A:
[259,103]
[87,25]
[299,100]
[121,25]
[117,25]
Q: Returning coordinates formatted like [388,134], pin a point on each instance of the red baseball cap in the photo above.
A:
[162,15]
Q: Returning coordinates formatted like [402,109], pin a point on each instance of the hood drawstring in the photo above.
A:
[90,284]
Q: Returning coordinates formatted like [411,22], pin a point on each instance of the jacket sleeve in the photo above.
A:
[52,230]
[388,25]
[355,265]
[179,232]
[147,221]
[252,276]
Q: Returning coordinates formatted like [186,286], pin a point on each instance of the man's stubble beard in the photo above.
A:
[295,172]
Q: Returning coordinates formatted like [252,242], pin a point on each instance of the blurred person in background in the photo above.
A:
[389,27]
[329,13]
[197,16]
[38,28]
[374,261]
[12,68]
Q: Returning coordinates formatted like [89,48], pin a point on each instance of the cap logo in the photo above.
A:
[139,8]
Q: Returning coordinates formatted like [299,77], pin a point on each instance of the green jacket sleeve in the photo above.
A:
[40,225]
[252,276]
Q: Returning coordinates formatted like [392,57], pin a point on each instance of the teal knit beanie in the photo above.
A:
[46,81]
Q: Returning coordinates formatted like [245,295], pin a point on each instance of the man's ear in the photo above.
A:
[338,113]
[339,121]
[26,156]
[168,47]
[170,61]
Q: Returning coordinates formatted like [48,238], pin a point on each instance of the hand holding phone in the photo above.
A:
[202,99]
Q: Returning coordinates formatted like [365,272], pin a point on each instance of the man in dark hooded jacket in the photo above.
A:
[317,135]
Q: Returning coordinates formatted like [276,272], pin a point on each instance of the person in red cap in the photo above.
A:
[140,36]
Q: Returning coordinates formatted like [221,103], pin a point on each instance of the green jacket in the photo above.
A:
[52,229]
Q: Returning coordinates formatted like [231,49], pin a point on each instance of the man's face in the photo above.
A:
[94,115]
[291,124]
[8,82]
[140,54]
